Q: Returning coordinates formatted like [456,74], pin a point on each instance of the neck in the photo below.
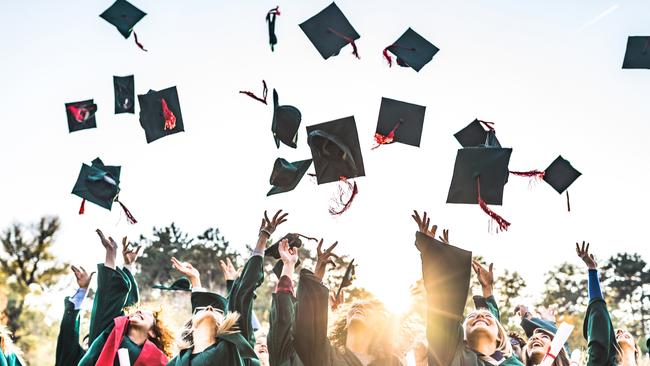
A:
[627,357]
[204,335]
[358,340]
[137,335]
[484,345]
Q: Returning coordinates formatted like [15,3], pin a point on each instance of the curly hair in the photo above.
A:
[163,337]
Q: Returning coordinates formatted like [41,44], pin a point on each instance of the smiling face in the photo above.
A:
[364,313]
[625,340]
[538,344]
[142,319]
[481,323]
[206,314]
[261,350]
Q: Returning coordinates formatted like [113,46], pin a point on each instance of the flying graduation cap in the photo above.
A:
[637,53]
[274,250]
[346,281]
[160,113]
[477,133]
[81,115]
[124,16]
[412,50]
[329,31]
[285,124]
[399,122]
[181,284]
[270,21]
[100,184]
[286,176]
[124,87]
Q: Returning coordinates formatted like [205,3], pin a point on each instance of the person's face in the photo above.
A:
[364,313]
[142,319]
[206,314]
[538,345]
[261,350]
[625,339]
[481,323]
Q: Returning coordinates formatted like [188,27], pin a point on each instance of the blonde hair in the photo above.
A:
[226,324]
[619,350]
[503,343]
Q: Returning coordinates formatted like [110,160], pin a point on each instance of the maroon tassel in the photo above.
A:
[135,37]
[568,203]
[388,139]
[168,115]
[275,11]
[503,224]
[355,52]
[488,125]
[530,174]
[129,215]
[340,200]
[265,91]
[82,209]
[390,60]
[387,57]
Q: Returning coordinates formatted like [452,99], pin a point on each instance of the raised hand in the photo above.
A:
[229,271]
[546,313]
[523,311]
[83,278]
[429,230]
[268,226]
[188,270]
[111,249]
[334,301]
[288,254]
[485,277]
[130,252]
[323,259]
[583,253]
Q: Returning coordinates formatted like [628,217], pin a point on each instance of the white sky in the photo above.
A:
[547,72]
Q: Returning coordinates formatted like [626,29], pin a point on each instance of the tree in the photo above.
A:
[27,261]
[508,286]
[566,289]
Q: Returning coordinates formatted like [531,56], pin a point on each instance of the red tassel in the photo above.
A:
[503,224]
[532,173]
[388,139]
[568,203]
[265,91]
[129,215]
[275,11]
[135,37]
[390,60]
[355,51]
[340,201]
[387,57]
[82,209]
[488,125]
[170,119]
[80,114]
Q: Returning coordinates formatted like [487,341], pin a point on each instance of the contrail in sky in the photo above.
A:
[598,18]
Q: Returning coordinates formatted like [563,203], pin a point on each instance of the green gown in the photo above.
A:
[446,302]
[280,337]
[68,349]
[230,349]
[599,333]
[310,328]
[9,359]
[116,289]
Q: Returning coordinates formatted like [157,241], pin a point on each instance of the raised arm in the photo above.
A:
[486,279]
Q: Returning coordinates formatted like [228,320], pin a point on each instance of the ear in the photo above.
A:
[151,334]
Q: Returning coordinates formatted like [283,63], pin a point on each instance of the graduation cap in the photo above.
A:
[124,87]
[274,250]
[399,122]
[270,21]
[286,176]
[100,184]
[181,284]
[346,281]
[480,174]
[285,124]
[201,298]
[329,31]
[637,53]
[412,50]
[81,115]
[124,16]
[160,113]
[477,133]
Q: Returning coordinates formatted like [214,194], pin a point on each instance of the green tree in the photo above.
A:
[566,289]
[508,286]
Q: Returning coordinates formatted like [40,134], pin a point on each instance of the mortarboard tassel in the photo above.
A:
[170,119]
[135,37]
[307,237]
[388,139]
[82,208]
[568,203]
[265,91]
[340,201]
[530,173]
[270,19]
[129,215]
[390,60]
[80,114]
[503,224]
[355,52]
[488,125]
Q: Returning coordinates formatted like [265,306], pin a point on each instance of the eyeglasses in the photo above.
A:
[206,308]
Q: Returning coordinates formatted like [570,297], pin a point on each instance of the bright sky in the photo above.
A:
[547,72]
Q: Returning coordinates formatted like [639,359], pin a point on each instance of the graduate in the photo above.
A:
[9,352]
[479,339]
[605,346]
[142,332]
[68,349]
[540,333]
[362,335]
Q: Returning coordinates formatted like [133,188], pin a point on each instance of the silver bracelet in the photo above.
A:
[266,231]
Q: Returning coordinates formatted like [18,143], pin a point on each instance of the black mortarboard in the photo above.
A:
[286,176]
[637,53]
[123,15]
[160,113]
[335,150]
[532,324]
[200,298]
[346,281]
[329,31]
[181,284]
[489,165]
[405,119]
[411,50]
[560,174]
[274,250]
[124,87]
[98,183]
[81,115]
[285,124]
[475,134]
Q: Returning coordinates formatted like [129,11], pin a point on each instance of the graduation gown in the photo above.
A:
[280,336]
[446,302]
[242,295]
[310,328]
[230,349]
[68,349]
[599,333]
[9,359]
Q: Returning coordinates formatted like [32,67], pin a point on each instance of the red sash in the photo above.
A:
[150,354]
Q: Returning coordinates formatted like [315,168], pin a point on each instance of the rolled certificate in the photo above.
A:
[576,356]
[561,336]
[123,357]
